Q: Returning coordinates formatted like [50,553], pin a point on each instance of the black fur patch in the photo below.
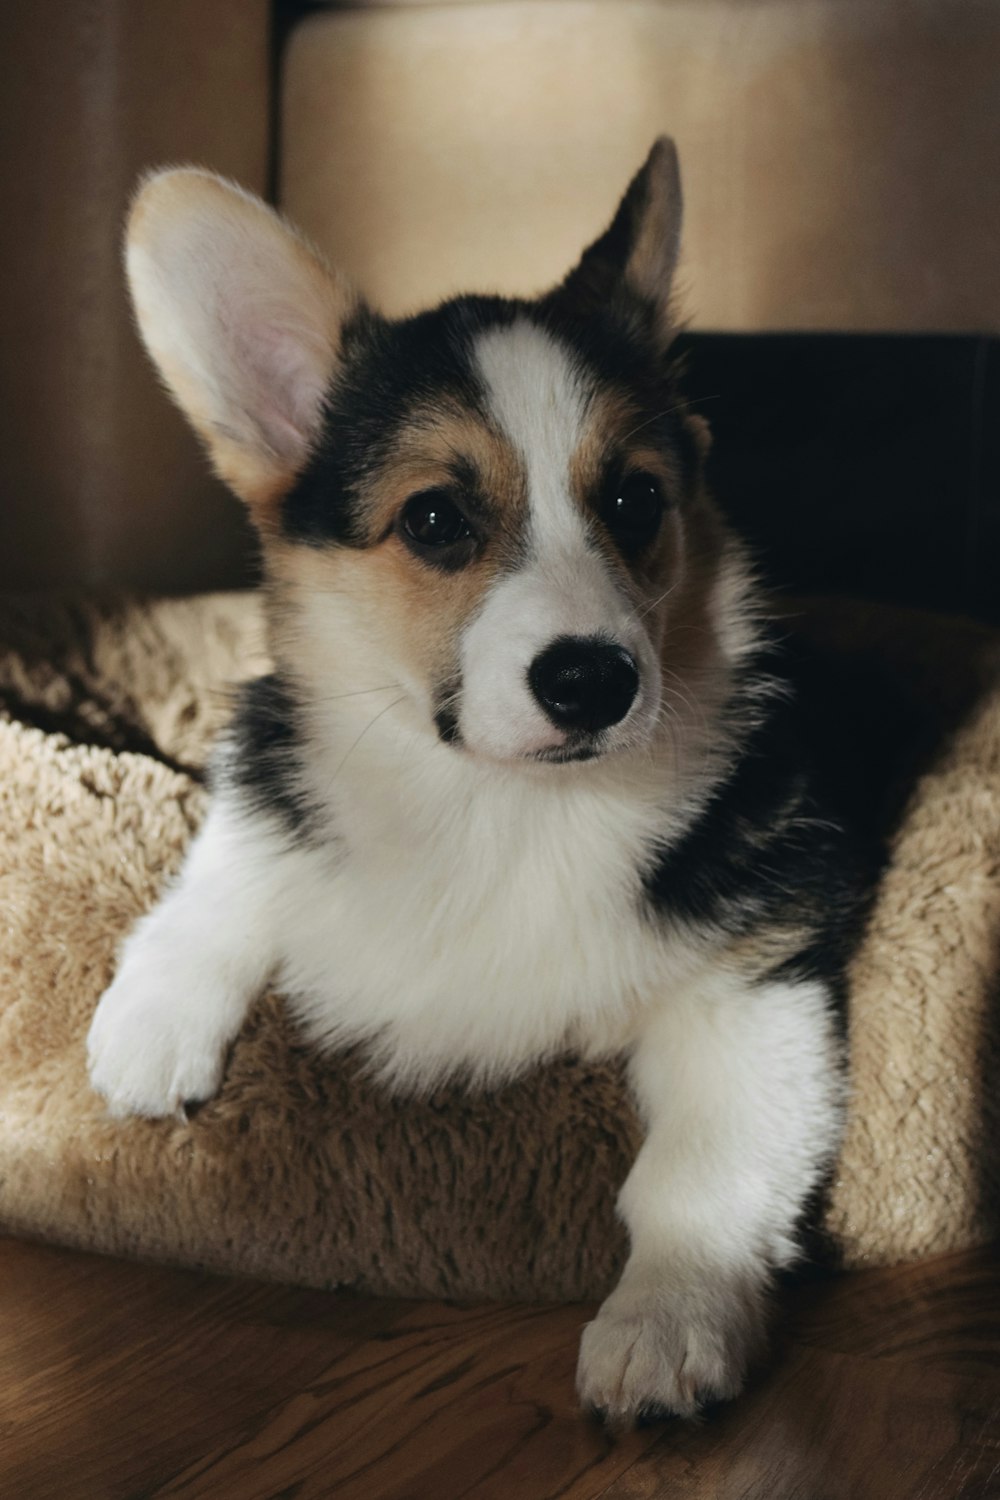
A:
[262,754]
[612,338]
[389,370]
[616,352]
[778,846]
[446,718]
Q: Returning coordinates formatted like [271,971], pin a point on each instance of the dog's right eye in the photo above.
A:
[633,510]
[431,522]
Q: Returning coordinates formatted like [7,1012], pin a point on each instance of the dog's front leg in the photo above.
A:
[188,973]
[740,1089]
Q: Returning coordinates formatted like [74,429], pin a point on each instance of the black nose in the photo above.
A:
[583,683]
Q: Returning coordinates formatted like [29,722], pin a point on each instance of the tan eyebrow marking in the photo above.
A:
[614,427]
[425,454]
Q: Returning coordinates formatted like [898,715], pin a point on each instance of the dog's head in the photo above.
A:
[496,505]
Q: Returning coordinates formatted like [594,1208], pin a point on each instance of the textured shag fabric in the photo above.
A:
[302,1169]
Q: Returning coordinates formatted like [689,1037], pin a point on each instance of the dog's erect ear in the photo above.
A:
[631,267]
[243,321]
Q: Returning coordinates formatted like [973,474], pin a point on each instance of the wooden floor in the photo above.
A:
[122,1381]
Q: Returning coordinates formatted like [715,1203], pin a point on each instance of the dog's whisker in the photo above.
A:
[358,693]
[695,710]
[648,608]
[668,411]
[370,725]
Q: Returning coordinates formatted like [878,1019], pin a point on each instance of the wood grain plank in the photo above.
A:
[124,1381]
[456,1402]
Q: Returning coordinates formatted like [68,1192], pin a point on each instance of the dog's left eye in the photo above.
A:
[432,519]
[633,510]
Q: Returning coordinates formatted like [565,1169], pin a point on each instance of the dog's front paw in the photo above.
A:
[668,1350]
[154,1047]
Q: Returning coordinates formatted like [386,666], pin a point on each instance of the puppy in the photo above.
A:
[530,775]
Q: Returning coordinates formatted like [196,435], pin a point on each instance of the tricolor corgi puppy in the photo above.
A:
[528,776]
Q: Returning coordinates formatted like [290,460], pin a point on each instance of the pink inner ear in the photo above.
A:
[282,371]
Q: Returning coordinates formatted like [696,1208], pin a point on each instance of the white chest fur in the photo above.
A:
[474,919]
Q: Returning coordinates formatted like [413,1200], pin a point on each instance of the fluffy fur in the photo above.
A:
[530,775]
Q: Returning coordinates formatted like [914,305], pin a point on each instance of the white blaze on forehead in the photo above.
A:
[537,398]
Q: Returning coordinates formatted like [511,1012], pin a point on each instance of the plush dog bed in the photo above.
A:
[304,1170]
